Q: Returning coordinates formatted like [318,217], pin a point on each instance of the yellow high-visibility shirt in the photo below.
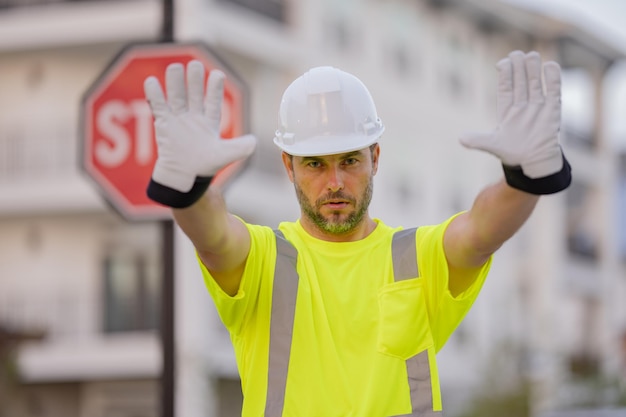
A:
[354,326]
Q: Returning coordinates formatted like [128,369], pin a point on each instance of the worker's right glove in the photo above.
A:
[187,127]
[527,136]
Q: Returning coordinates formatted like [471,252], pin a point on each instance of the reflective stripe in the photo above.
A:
[285,291]
[418,371]
[404,255]
[284,294]
[404,259]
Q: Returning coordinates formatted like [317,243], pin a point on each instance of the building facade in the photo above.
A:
[549,321]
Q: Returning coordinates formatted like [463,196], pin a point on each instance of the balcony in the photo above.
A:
[6,4]
[34,24]
[39,172]
[128,356]
[83,336]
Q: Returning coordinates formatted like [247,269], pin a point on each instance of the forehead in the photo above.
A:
[337,156]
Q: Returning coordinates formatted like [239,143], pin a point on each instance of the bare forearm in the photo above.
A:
[497,214]
[203,222]
[220,239]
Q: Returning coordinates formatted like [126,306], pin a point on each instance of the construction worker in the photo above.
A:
[339,314]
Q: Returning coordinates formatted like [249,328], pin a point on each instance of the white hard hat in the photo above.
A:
[327,111]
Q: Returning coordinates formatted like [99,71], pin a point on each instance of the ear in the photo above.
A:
[288,163]
[375,157]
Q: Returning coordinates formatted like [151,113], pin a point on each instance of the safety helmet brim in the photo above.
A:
[329,144]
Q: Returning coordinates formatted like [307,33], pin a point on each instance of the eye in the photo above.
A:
[350,161]
[314,164]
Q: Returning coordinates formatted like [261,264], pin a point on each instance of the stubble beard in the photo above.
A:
[336,223]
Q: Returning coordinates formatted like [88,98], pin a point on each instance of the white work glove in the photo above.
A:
[529,119]
[187,127]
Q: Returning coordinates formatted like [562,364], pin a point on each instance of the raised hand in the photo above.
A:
[190,149]
[526,138]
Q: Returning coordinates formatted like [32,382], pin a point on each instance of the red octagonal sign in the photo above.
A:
[118,143]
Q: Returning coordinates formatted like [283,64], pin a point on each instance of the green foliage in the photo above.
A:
[506,391]
[515,403]
[598,391]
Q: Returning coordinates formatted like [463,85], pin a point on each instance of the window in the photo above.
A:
[621,207]
[582,225]
[456,68]
[341,29]
[578,103]
[131,292]
[400,58]
[338,32]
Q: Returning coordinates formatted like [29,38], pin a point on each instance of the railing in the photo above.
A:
[6,4]
[57,316]
[37,152]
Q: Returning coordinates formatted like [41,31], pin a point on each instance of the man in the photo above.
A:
[339,314]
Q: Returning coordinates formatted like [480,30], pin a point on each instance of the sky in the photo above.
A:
[607,20]
[604,17]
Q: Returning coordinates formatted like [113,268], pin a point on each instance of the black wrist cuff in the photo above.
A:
[174,198]
[545,185]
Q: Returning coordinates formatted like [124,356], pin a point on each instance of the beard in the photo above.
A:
[336,223]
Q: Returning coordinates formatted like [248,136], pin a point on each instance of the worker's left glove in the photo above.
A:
[527,136]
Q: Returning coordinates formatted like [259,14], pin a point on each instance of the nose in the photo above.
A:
[335,179]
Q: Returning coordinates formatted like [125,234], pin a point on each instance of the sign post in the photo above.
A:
[119,152]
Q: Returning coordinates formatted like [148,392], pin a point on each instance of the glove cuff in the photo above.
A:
[550,184]
[176,199]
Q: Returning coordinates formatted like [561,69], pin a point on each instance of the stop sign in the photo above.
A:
[118,142]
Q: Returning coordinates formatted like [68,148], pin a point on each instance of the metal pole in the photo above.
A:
[168,377]
[167,28]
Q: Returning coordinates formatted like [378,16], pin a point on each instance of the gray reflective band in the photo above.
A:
[418,371]
[404,259]
[285,291]
[284,294]
[404,255]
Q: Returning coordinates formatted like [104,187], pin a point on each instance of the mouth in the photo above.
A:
[336,204]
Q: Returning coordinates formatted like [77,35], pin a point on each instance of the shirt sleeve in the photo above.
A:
[444,310]
[234,311]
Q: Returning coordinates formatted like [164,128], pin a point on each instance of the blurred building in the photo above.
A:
[551,314]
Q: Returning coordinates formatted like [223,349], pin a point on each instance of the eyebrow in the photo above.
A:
[343,156]
[351,154]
